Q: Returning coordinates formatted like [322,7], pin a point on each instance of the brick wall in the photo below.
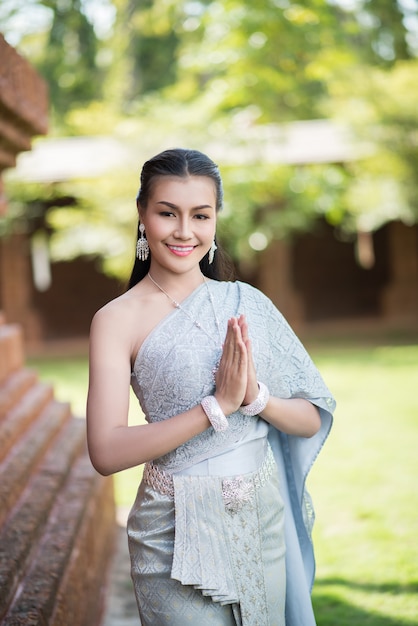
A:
[23,108]
[57,515]
[65,309]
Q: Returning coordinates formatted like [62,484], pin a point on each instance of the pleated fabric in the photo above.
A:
[229,567]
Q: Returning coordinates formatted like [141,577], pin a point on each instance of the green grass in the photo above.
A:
[364,488]
[363,484]
[69,377]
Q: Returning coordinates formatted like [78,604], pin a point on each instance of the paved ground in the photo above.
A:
[121,607]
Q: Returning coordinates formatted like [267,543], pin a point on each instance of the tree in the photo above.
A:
[216,73]
[63,48]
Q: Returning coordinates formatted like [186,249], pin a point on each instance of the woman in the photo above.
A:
[219,533]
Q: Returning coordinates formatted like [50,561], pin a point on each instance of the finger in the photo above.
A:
[234,355]
[231,377]
[239,343]
[230,339]
[235,335]
[244,326]
[229,347]
[244,333]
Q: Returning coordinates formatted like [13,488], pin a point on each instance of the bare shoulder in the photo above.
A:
[115,321]
[116,311]
[128,319]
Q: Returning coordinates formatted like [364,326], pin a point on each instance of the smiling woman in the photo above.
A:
[233,423]
[184,169]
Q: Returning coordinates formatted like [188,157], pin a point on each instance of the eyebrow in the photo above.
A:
[195,208]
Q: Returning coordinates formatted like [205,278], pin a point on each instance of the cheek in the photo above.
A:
[155,227]
[210,228]
[208,233]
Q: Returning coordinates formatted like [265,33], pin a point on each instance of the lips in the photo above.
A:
[181,250]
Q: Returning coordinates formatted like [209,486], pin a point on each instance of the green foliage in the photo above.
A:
[222,77]
[104,225]
[381,111]
[363,487]
[64,49]
[82,218]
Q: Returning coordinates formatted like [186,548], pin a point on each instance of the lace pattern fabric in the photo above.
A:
[164,385]
[236,490]
[218,545]
[175,348]
[234,565]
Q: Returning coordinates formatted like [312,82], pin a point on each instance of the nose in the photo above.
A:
[183,230]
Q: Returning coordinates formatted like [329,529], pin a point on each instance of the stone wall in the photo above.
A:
[23,108]
[57,515]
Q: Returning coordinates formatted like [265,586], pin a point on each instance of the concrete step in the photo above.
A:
[57,515]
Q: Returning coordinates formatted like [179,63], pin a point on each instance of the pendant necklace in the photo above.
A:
[196,323]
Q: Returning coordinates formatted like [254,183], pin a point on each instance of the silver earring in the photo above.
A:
[142,247]
[212,251]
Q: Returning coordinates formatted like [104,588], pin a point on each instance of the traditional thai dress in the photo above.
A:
[220,531]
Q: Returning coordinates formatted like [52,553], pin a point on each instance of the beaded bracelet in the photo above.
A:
[259,403]
[214,413]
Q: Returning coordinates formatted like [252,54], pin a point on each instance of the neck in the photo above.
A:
[186,281]
[178,286]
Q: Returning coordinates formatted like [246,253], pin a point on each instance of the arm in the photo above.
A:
[294,416]
[113,445]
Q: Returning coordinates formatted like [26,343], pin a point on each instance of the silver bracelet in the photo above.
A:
[259,403]
[214,413]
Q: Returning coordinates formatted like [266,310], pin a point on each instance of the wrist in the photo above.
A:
[259,404]
[251,395]
[225,404]
[214,413]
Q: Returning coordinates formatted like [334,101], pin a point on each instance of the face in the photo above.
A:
[180,221]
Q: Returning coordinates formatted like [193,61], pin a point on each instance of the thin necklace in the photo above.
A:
[196,323]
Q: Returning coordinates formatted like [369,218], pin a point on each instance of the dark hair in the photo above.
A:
[182,162]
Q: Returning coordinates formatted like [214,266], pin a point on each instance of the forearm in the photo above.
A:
[122,447]
[294,416]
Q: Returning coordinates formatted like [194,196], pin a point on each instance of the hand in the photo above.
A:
[251,391]
[231,377]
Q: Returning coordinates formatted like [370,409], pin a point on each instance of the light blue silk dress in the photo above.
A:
[220,531]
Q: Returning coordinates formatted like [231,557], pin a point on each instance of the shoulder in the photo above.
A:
[117,321]
[249,294]
[238,287]
[247,298]
[249,291]
[115,311]
[243,293]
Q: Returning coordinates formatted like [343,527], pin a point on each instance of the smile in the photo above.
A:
[181,250]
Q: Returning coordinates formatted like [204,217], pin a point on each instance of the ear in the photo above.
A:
[140,211]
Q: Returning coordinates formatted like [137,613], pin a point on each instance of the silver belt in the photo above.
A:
[236,491]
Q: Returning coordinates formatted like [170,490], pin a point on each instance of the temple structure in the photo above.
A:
[57,515]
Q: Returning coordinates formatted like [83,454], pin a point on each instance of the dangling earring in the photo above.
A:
[212,251]
[142,247]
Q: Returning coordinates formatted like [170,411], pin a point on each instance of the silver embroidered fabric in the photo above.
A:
[229,569]
[173,368]
[234,559]
[236,491]
[173,372]
[158,479]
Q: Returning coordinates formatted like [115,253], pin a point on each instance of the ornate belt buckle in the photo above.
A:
[236,492]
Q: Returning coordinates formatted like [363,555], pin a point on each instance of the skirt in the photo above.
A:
[214,554]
